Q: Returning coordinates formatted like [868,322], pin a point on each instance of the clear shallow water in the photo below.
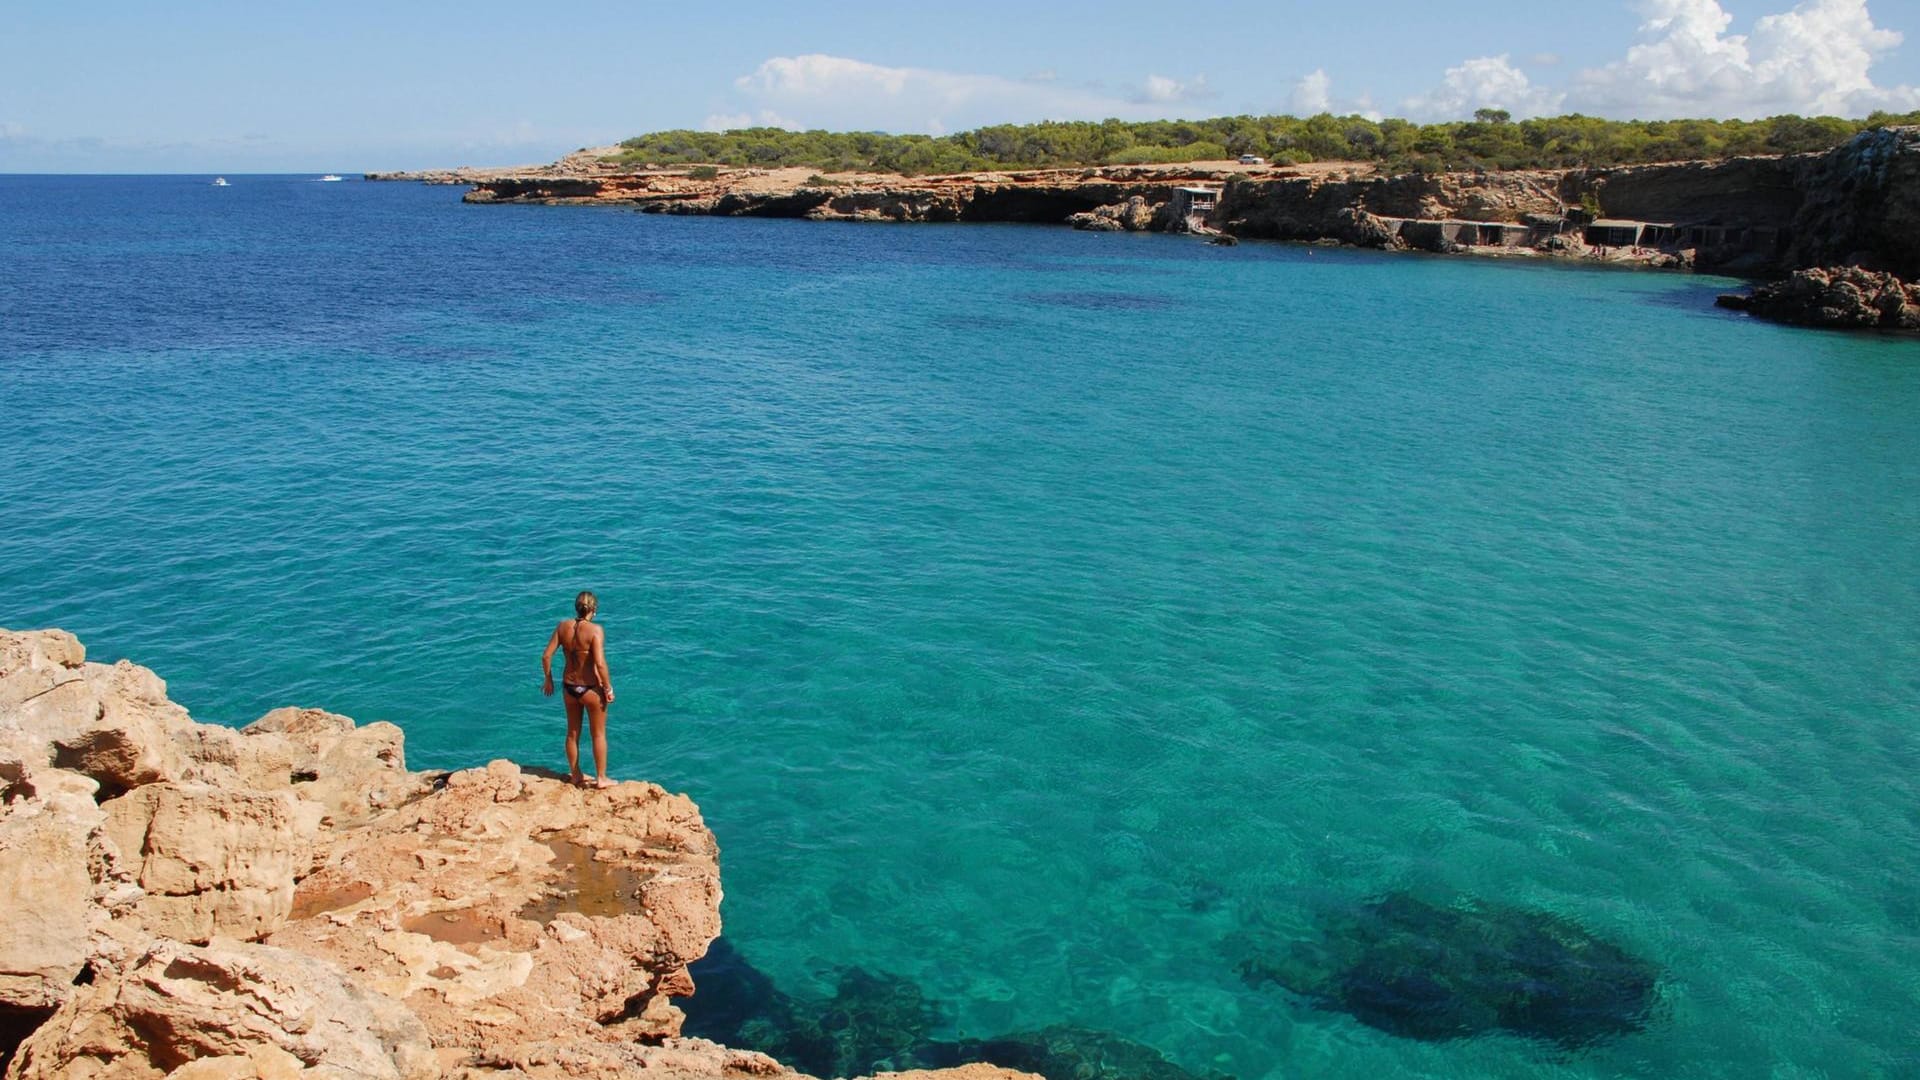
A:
[1029,610]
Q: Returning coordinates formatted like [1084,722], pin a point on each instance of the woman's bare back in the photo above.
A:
[582,641]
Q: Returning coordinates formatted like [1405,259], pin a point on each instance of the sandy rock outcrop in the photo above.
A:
[111,723]
[888,206]
[963,1072]
[210,861]
[1136,214]
[676,1059]
[353,771]
[288,900]
[507,905]
[46,936]
[227,1009]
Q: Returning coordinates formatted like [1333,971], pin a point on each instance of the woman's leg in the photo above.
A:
[597,717]
[573,739]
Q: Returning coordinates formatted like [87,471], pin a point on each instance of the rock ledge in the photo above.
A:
[288,900]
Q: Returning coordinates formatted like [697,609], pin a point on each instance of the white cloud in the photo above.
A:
[841,93]
[737,120]
[1162,90]
[1312,94]
[11,130]
[1813,59]
[1485,82]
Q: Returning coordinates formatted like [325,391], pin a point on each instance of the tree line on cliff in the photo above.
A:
[1491,140]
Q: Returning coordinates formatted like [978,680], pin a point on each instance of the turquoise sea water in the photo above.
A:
[1029,610]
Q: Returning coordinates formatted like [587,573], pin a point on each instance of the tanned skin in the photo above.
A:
[586,647]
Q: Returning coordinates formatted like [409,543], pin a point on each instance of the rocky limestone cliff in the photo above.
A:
[1857,205]
[1046,196]
[288,900]
[1861,205]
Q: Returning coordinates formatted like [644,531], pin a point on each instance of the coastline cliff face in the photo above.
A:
[286,900]
[1856,206]
[1861,206]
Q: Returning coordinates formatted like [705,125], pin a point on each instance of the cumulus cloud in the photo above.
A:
[1313,94]
[1161,90]
[736,120]
[837,92]
[1485,82]
[1815,58]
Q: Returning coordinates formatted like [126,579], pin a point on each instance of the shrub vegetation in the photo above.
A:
[1491,140]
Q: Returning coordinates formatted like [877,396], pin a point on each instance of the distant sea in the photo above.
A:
[1032,612]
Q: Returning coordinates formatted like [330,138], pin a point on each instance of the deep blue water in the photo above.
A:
[1031,612]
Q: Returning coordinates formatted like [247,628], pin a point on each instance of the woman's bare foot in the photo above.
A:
[603,783]
[577,779]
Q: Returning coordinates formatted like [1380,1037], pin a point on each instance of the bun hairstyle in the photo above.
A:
[585,604]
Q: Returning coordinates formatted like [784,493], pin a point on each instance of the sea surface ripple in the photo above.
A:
[1028,610]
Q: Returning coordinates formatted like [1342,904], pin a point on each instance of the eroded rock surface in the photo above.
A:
[1136,214]
[225,1010]
[1846,297]
[45,936]
[210,860]
[288,900]
[505,905]
[1861,205]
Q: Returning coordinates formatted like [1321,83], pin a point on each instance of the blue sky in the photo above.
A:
[237,87]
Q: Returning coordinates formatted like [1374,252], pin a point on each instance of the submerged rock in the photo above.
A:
[872,1022]
[1063,1052]
[885,1023]
[1422,971]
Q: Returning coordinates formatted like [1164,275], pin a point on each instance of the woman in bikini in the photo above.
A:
[589,688]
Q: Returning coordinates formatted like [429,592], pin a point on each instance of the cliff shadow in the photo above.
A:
[16,1024]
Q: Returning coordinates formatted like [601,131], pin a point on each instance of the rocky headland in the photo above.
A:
[287,900]
[1856,207]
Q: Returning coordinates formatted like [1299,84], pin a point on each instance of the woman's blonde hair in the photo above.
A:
[585,604]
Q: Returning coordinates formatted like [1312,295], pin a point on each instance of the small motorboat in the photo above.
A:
[221,181]
[331,179]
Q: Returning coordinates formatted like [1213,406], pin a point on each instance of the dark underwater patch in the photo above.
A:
[883,1023]
[1062,1052]
[1103,301]
[1421,971]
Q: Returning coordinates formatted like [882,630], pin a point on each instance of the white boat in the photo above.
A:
[331,179]
[221,181]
